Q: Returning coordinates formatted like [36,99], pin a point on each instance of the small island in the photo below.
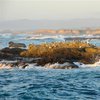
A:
[57,55]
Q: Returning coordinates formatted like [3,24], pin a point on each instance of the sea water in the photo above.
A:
[39,83]
[50,84]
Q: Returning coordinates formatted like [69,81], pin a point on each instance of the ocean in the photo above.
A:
[38,83]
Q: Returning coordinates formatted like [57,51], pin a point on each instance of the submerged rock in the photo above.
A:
[66,65]
[22,65]
[6,65]
[12,64]
[82,65]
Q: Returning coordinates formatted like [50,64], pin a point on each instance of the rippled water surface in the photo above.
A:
[47,84]
[35,38]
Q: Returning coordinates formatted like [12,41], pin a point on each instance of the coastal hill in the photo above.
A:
[21,25]
[67,31]
[59,31]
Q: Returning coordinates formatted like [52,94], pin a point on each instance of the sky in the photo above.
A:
[49,9]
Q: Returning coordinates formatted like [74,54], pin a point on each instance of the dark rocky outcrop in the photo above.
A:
[66,65]
[10,53]
[16,45]
[52,53]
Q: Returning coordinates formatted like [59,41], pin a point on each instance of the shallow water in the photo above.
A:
[50,84]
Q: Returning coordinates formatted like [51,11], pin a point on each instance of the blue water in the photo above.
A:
[47,84]
[7,37]
[50,84]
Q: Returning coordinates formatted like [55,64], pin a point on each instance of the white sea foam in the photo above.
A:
[6,65]
[81,65]
[35,37]
[6,61]
[6,35]
[66,65]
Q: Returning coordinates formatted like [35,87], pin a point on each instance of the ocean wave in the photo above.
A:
[4,64]
[38,37]
[82,65]
[6,35]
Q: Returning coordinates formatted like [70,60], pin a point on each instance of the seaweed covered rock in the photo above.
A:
[61,52]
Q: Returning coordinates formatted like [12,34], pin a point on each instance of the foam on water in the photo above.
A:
[6,65]
[39,38]
[81,65]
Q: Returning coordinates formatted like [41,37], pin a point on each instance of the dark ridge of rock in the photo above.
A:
[66,65]
[18,64]
[16,45]
[10,53]
[13,51]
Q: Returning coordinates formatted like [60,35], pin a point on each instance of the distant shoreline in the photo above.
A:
[54,31]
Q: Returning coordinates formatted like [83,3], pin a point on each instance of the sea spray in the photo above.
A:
[82,65]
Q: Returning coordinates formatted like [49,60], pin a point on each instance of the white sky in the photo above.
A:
[49,9]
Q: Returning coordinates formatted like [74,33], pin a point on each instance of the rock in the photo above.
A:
[62,51]
[22,65]
[66,65]
[6,56]
[48,55]
[13,51]
[16,45]
[6,65]
[13,64]
[10,53]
